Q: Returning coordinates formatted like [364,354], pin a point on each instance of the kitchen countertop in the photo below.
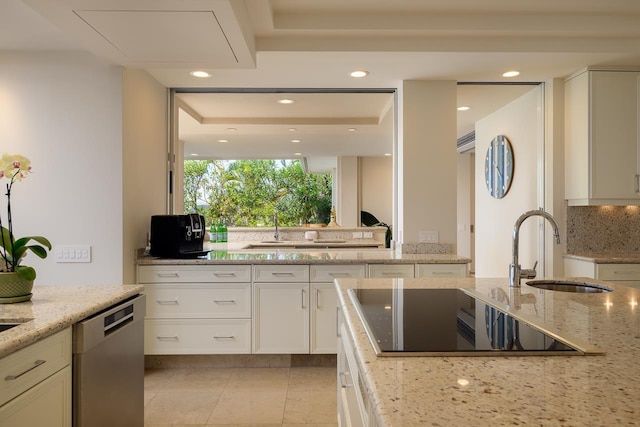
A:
[600,258]
[305,256]
[598,390]
[54,308]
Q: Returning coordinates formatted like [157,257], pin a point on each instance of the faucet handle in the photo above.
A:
[529,274]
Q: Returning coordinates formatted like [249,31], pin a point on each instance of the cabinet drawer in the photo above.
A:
[281,273]
[326,273]
[618,272]
[387,271]
[208,301]
[441,270]
[197,336]
[27,367]
[194,273]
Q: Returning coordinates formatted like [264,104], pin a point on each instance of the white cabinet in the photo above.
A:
[324,303]
[624,274]
[197,309]
[442,270]
[281,309]
[391,271]
[602,141]
[36,384]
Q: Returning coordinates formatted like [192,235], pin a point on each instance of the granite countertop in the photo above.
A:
[608,258]
[54,308]
[597,390]
[305,256]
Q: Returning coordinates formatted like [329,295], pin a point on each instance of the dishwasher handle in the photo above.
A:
[108,323]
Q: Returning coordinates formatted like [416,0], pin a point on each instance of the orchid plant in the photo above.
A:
[15,168]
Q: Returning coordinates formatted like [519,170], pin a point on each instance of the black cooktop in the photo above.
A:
[437,322]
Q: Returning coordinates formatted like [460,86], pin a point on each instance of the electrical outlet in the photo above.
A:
[73,253]
[428,237]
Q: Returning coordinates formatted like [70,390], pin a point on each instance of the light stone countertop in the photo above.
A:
[597,390]
[305,256]
[608,258]
[54,308]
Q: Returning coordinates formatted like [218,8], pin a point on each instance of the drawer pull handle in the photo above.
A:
[392,273]
[442,273]
[343,381]
[340,274]
[35,365]
[625,272]
[283,274]
[168,274]
[167,302]
[231,337]
[173,338]
[224,301]
[224,274]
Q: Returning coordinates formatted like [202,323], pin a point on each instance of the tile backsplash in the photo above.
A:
[603,229]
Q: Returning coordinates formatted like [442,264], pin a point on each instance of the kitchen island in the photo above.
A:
[591,390]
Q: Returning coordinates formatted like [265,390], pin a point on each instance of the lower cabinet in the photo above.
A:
[324,302]
[281,318]
[624,274]
[36,384]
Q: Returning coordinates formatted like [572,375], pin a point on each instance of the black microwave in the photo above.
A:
[177,236]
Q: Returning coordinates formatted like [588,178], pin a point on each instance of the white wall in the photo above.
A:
[144,141]
[376,187]
[520,121]
[64,112]
[426,160]
[347,213]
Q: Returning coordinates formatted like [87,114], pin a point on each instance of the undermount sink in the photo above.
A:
[569,286]
[276,241]
[7,326]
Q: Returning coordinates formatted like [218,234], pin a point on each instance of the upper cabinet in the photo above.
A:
[602,143]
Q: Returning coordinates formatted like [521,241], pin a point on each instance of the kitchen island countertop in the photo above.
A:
[609,258]
[597,390]
[304,256]
[54,308]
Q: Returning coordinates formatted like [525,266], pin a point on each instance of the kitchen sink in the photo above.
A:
[7,326]
[569,286]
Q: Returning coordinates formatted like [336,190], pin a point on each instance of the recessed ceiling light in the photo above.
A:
[511,74]
[352,130]
[387,154]
[193,154]
[223,140]
[359,74]
[232,129]
[286,101]
[298,154]
[292,129]
[463,108]
[201,74]
[295,140]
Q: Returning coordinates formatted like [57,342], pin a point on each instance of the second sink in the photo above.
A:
[569,286]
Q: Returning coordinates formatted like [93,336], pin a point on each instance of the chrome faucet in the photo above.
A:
[276,235]
[515,272]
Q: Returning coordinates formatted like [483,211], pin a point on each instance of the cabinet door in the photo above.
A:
[281,318]
[46,404]
[324,303]
[441,270]
[614,134]
[391,271]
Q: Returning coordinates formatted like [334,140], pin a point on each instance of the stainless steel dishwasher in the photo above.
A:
[108,367]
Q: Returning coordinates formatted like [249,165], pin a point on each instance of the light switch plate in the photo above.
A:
[73,253]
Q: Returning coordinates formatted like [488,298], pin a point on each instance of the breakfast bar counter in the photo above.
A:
[578,390]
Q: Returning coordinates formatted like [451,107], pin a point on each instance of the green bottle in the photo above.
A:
[213,233]
[222,232]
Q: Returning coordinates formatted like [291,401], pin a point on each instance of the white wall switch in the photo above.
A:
[357,235]
[428,237]
[73,253]
[368,234]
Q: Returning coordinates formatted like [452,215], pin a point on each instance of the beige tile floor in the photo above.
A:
[198,397]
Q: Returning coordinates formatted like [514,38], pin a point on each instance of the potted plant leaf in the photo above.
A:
[16,279]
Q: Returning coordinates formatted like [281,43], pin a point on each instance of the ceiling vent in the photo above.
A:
[467,142]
